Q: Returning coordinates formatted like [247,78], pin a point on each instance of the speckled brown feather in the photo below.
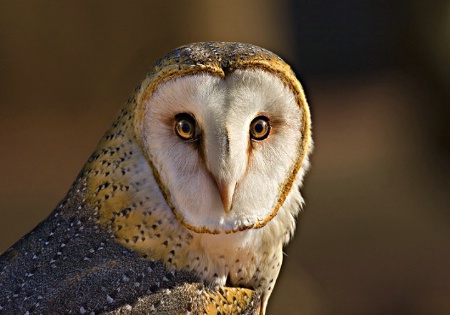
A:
[195,299]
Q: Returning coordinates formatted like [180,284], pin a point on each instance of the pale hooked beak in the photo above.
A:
[226,191]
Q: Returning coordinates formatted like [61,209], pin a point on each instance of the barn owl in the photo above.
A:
[186,203]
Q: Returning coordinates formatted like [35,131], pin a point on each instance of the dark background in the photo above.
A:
[375,234]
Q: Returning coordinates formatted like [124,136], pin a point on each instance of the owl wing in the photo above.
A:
[67,264]
[195,298]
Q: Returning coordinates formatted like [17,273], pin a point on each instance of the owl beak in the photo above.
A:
[226,192]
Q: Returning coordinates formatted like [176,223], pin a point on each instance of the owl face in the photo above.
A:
[225,151]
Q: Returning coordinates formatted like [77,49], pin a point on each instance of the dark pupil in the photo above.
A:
[259,127]
[186,127]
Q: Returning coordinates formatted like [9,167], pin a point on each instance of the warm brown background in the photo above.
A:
[375,235]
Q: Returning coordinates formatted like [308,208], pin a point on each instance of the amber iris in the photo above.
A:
[185,126]
[260,128]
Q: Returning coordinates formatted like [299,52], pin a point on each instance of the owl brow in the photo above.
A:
[227,140]
[200,147]
[276,122]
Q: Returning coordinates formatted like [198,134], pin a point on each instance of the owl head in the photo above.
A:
[226,130]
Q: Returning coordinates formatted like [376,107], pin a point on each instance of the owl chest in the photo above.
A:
[247,264]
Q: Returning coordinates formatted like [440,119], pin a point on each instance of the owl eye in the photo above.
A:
[260,128]
[185,127]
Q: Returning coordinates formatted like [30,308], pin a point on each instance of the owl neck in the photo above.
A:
[121,190]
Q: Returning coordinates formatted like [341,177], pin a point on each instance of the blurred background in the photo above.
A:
[374,237]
